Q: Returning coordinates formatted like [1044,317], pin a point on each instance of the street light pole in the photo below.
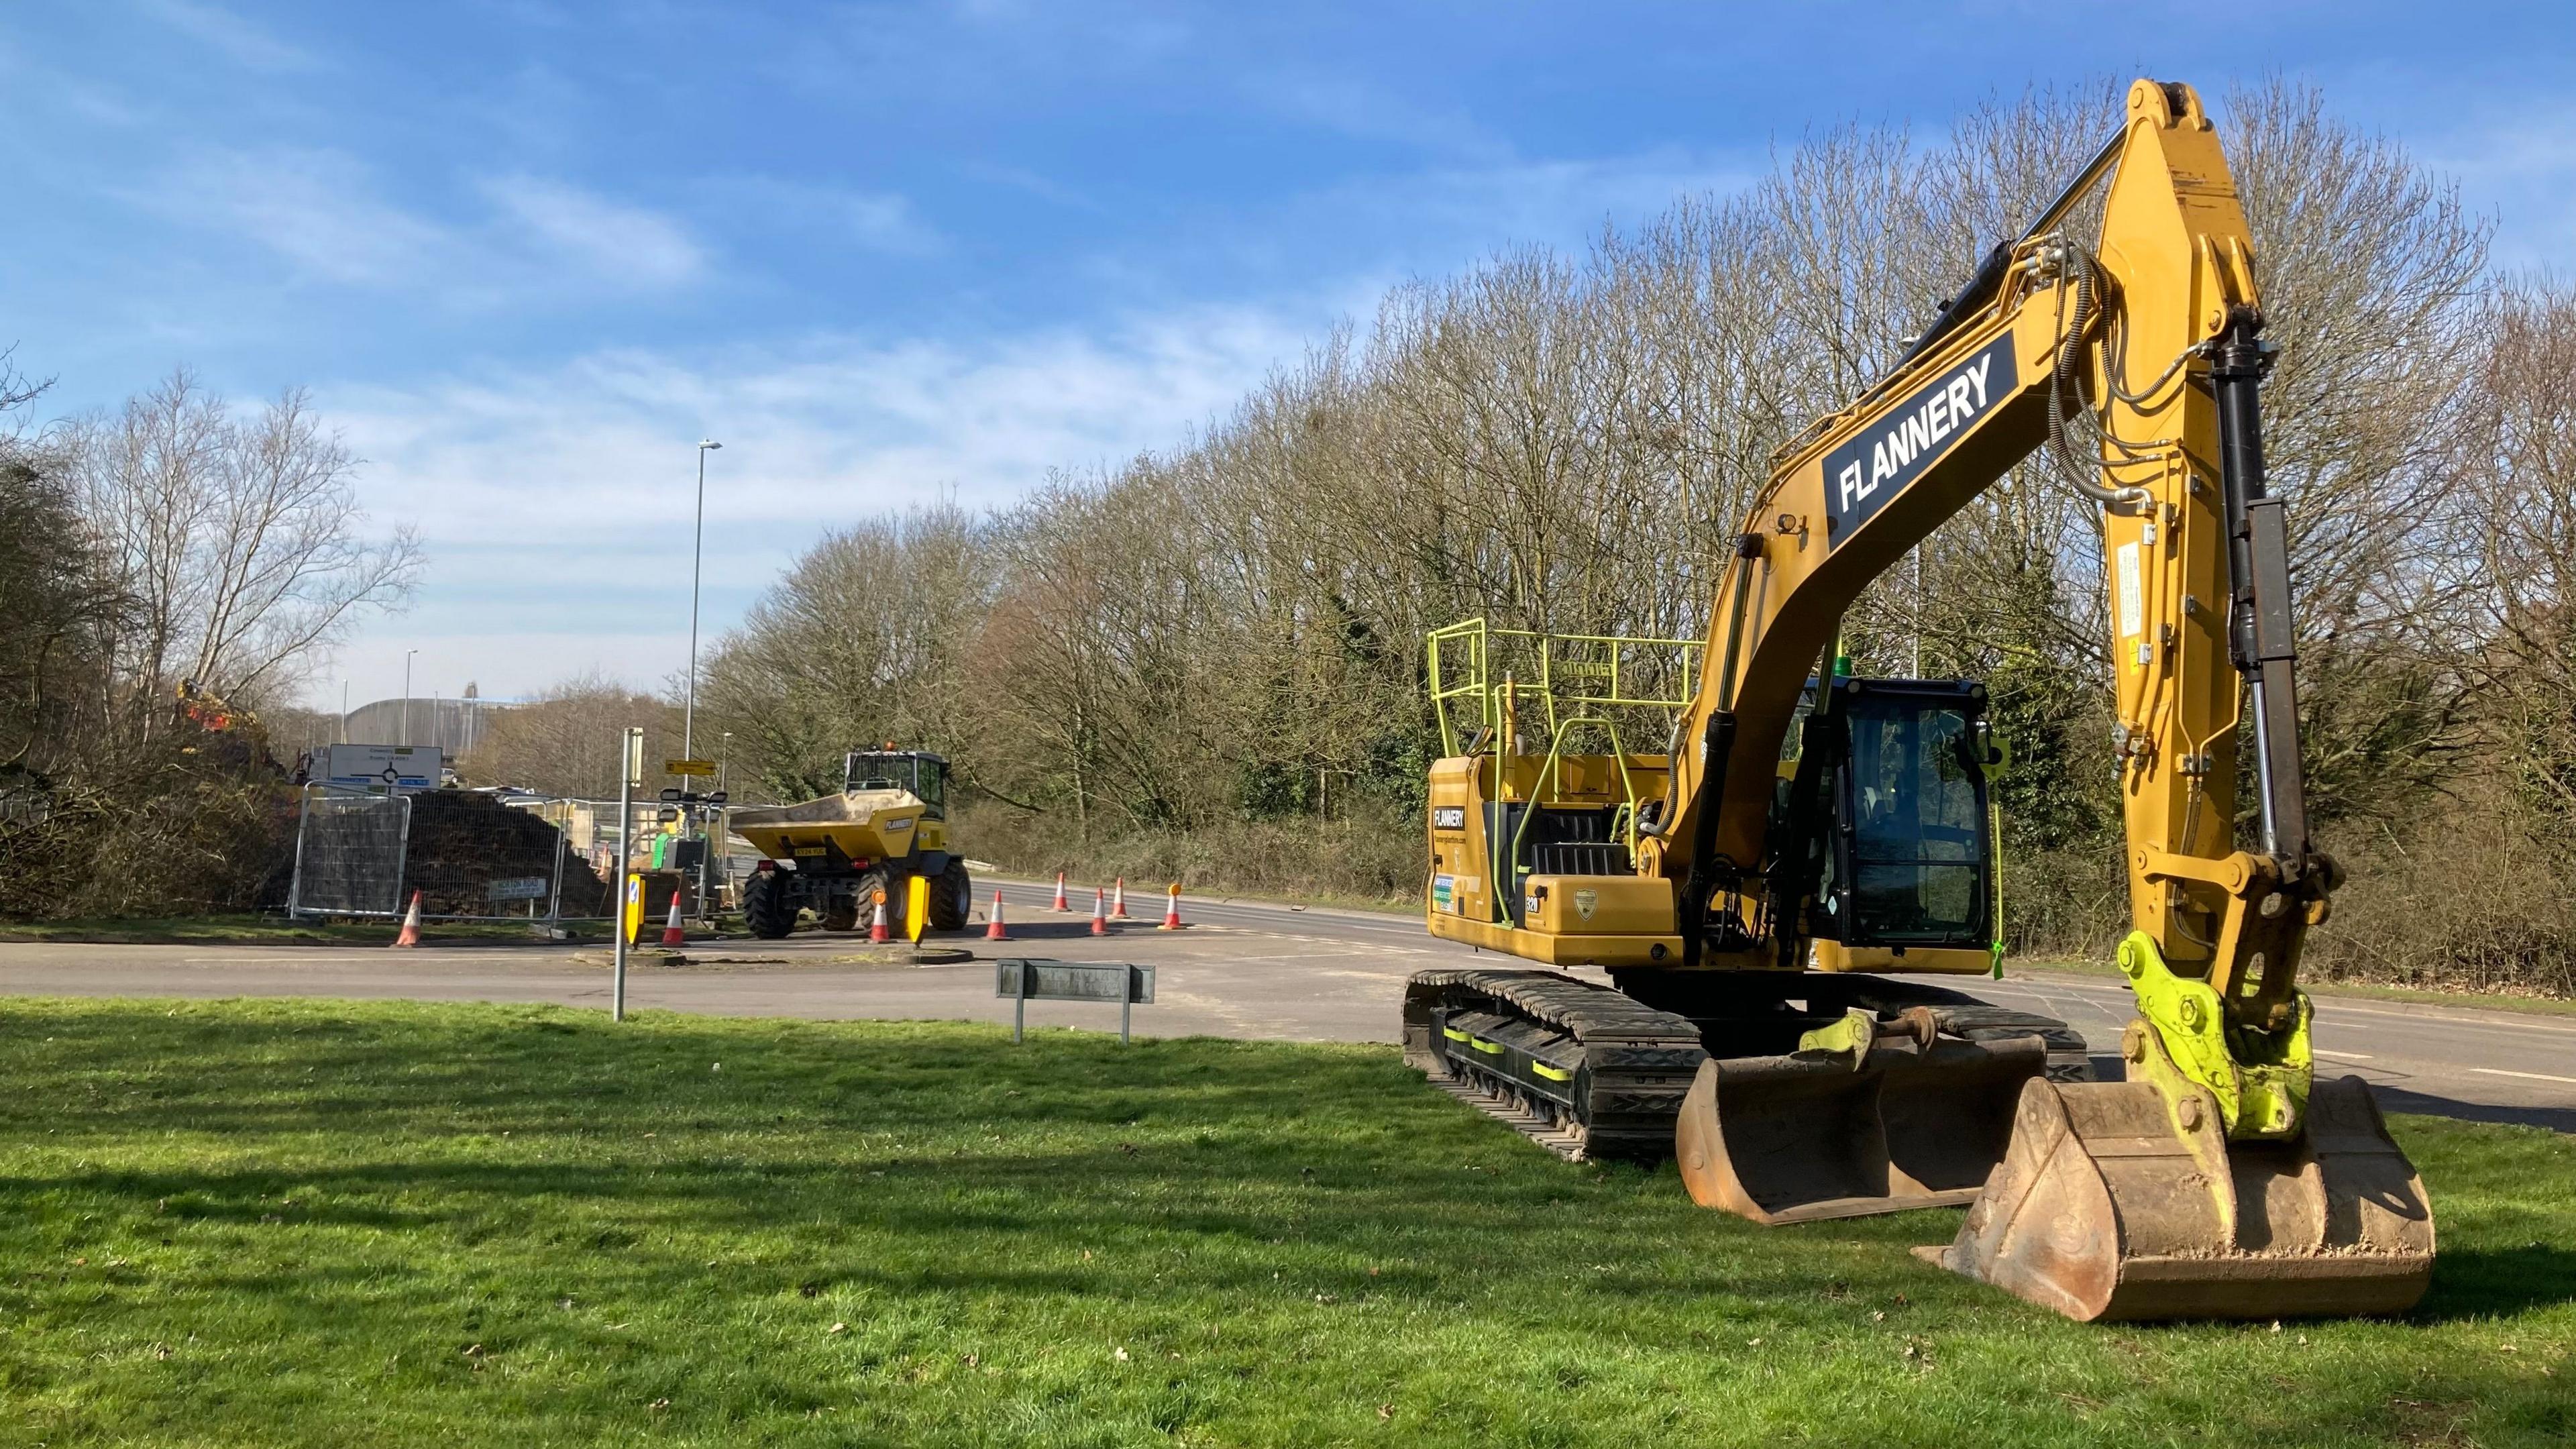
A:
[697,555]
[406,729]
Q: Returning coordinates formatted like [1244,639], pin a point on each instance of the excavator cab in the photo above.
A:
[1873,1095]
[1897,837]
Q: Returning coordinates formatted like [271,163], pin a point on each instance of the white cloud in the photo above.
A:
[603,238]
[323,211]
[315,208]
[877,221]
[239,40]
[1369,110]
[2520,169]
[556,502]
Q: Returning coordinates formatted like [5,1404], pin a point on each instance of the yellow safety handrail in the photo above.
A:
[1581,671]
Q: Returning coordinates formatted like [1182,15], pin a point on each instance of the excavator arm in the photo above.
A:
[2152,336]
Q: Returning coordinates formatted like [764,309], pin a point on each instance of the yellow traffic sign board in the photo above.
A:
[688,767]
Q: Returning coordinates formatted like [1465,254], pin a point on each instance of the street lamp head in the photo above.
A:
[706,443]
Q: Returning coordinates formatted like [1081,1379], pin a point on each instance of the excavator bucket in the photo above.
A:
[1791,1139]
[2113,1204]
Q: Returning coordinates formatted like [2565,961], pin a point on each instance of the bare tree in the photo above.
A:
[240,543]
[861,642]
[566,741]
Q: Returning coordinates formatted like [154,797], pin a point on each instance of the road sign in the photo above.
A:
[381,769]
[1026,981]
[518,888]
[688,767]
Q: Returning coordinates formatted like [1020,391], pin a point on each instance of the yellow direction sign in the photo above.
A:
[688,767]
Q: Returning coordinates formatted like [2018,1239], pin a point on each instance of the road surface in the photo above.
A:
[1241,969]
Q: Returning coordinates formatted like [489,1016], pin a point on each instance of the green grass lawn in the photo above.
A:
[334,1224]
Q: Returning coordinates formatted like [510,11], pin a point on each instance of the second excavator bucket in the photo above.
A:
[2116,1201]
[1789,1139]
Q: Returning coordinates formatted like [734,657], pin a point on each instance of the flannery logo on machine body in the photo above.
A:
[1862,474]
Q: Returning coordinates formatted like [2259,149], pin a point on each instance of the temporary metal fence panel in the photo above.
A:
[365,855]
[349,854]
[470,855]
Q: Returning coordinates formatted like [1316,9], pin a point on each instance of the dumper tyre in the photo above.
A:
[952,897]
[768,905]
[889,882]
[841,912]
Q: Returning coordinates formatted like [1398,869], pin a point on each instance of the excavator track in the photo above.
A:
[1591,1072]
[1585,1071]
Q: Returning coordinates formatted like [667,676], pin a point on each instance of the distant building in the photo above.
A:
[453,725]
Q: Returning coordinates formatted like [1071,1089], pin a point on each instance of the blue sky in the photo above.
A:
[525,254]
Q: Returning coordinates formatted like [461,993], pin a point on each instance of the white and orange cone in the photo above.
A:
[1172,911]
[993,929]
[672,935]
[411,924]
[877,931]
[1061,903]
[1099,912]
[1118,901]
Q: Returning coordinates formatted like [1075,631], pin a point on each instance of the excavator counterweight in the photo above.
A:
[1795,842]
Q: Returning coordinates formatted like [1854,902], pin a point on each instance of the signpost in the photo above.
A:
[632,775]
[688,767]
[1027,981]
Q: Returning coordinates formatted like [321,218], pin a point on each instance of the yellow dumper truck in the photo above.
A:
[839,855]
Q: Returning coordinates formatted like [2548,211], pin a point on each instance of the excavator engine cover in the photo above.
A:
[2116,1201]
[1788,1139]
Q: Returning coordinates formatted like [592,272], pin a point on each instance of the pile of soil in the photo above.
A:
[463,841]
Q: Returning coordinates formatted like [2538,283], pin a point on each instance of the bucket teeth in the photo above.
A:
[2107,1207]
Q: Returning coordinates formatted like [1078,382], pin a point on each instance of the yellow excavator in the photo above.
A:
[1757,892]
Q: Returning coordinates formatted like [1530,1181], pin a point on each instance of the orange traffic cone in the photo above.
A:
[993,930]
[671,932]
[1172,912]
[1099,912]
[411,924]
[877,931]
[1118,902]
[1061,903]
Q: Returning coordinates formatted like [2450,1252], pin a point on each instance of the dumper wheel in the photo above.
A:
[841,913]
[871,883]
[768,905]
[952,897]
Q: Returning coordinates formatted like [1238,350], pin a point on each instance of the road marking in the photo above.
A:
[2448,1016]
[2526,1076]
[2341,1009]
[2342,1056]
